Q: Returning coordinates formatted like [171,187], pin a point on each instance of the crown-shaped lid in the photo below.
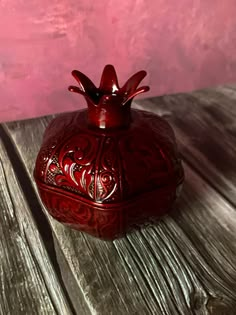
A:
[108,105]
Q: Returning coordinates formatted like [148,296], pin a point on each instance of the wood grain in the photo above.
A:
[186,263]
[205,125]
[28,284]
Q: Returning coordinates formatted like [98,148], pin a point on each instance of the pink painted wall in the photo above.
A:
[184,45]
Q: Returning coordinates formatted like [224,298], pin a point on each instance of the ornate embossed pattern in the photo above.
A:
[106,169]
[107,223]
[113,167]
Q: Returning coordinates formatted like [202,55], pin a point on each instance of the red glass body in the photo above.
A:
[106,169]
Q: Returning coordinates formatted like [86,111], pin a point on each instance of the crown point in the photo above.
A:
[109,105]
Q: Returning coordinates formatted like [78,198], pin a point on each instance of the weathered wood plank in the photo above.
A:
[28,284]
[205,125]
[185,264]
[231,86]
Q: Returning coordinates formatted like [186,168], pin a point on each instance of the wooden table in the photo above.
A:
[185,264]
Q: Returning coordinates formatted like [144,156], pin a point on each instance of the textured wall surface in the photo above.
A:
[184,45]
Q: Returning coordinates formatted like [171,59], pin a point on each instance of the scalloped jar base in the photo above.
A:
[107,222]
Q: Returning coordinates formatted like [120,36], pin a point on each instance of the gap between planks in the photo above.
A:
[28,282]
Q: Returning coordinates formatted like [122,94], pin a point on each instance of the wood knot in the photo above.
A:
[220,306]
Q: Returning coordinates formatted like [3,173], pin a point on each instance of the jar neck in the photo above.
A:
[109,116]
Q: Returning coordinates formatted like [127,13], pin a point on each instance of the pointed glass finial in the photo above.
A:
[108,105]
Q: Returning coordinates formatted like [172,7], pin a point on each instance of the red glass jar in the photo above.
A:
[108,168]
